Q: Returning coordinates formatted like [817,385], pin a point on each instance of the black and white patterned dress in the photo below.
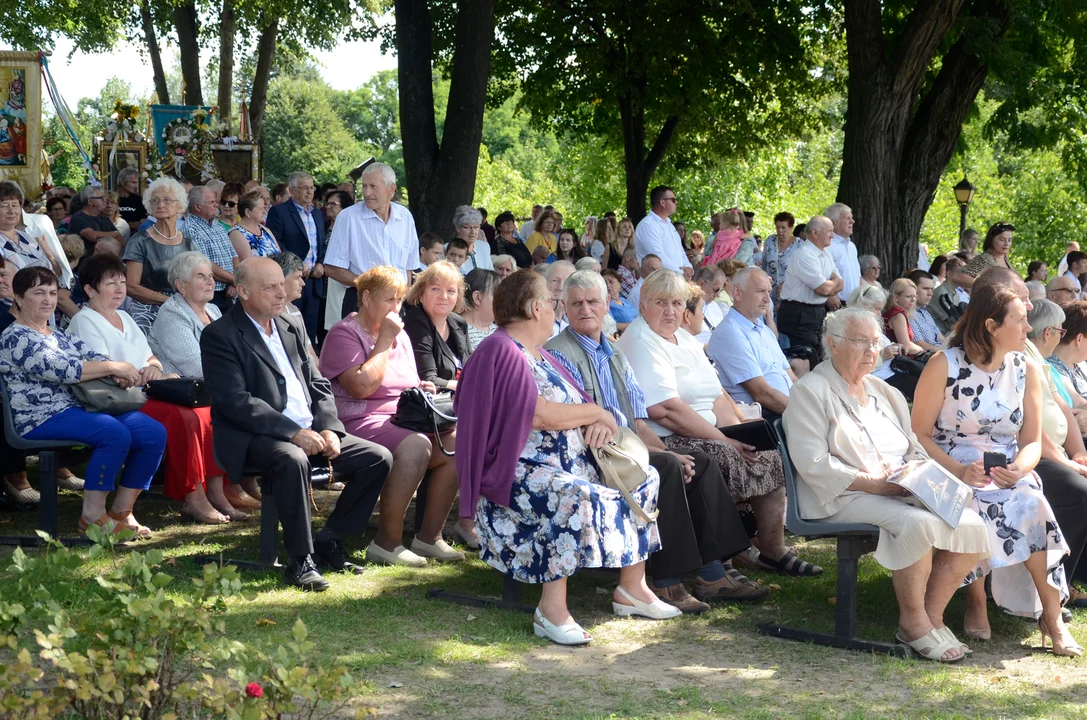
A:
[983,412]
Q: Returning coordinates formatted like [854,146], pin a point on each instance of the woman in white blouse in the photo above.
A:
[192,476]
[687,406]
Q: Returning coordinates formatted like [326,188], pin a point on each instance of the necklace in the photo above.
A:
[165,237]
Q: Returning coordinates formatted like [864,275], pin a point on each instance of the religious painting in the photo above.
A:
[20,120]
[237,162]
[133,155]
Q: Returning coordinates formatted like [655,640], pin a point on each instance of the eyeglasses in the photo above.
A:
[670,199]
[860,343]
[163,201]
[1061,332]
[96,197]
[1067,290]
[333,204]
[229,203]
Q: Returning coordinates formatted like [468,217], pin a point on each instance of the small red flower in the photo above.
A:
[254,690]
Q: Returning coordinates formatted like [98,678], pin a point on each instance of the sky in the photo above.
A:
[85,75]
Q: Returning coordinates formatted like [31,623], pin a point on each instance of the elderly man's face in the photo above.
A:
[131,185]
[264,293]
[844,224]
[207,208]
[711,289]
[1061,290]
[375,192]
[555,280]
[753,298]
[585,310]
[650,266]
[820,233]
[302,191]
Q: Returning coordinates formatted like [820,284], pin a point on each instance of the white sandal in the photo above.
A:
[950,636]
[568,634]
[933,645]
[656,610]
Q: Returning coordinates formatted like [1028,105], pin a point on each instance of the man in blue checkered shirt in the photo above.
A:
[203,227]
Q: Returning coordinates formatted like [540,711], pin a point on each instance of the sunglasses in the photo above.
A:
[229,203]
[1004,227]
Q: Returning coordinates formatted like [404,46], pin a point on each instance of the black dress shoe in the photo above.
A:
[302,573]
[330,554]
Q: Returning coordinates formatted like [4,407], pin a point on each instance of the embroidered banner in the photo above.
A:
[21,120]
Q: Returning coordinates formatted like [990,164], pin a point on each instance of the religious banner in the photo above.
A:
[21,120]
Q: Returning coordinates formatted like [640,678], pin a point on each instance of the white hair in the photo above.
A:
[466,215]
[555,266]
[867,297]
[745,274]
[834,212]
[293,178]
[588,263]
[1044,314]
[838,323]
[166,183]
[184,265]
[585,280]
[867,261]
[388,176]
[1035,289]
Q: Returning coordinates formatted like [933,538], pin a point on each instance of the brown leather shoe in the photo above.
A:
[677,596]
[731,588]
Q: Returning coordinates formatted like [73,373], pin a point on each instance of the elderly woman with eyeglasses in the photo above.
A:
[467,222]
[847,432]
[148,254]
[870,270]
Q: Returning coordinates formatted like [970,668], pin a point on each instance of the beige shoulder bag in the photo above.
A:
[624,466]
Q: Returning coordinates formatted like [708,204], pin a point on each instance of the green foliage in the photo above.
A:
[124,648]
[303,131]
[371,113]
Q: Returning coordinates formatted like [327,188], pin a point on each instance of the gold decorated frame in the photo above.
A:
[29,176]
[237,163]
[127,152]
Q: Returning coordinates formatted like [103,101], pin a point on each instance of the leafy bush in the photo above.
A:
[121,648]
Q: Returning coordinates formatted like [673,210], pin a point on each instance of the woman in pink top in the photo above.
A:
[368,358]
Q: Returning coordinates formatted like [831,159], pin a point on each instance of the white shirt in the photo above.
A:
[963,295]
[40,225]
[1079,287]
[297,408]
[361,241]
[712,315]
[809,267]
[528,228]
[635,295]
[656,236]
[665,370]
[129,346]
[478,257]
[844,253]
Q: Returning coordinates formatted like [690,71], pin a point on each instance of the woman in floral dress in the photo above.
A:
[528,479]
[982,396]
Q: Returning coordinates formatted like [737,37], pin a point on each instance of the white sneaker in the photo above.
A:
[400,556]
[440,550]
[70,483]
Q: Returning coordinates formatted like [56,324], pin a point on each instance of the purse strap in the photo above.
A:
[434,413]
[606,468]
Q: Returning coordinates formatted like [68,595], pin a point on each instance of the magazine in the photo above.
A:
[937,489]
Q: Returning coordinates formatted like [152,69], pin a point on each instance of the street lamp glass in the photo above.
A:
[964,191]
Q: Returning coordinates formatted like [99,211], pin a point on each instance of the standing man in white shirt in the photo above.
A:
[375,232]
[810,288]
[656,235]
[842,249]
[529,226]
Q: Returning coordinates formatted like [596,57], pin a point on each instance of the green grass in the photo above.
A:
[421,658]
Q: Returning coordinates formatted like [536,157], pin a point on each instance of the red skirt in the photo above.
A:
[190,457]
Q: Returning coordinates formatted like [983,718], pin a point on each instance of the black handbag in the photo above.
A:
[186,392]
[420,411]
[912,366]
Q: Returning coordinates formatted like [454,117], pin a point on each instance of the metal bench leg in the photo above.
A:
[511,597]
[850,550]
[47,475]
[269,529]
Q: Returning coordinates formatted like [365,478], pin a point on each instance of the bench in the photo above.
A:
[48,451]
[854,542]
[268,557]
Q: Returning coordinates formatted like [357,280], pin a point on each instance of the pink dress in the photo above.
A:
[348,345]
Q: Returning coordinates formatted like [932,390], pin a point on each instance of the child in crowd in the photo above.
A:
[430,249]
[456,251]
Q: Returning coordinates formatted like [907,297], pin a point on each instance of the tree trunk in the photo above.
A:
[226,65]
[441,177]
[898,142]
[149,38]
[189,49]
[266,50]
[639,166]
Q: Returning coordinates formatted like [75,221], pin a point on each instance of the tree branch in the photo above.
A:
[929,23]
[660,145]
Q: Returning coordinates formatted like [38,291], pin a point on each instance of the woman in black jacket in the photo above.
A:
[439,336]
[506,241]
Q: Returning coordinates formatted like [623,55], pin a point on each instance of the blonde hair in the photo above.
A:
[694,296]
[380,278]
[73,248]
[730,267]
[897,287]
[698,240]
[665,283]
[729,219]
[441,271]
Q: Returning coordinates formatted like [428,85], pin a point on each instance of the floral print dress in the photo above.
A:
[561,517]
[983,412]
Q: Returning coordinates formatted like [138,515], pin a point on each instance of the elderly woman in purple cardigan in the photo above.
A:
[528,479]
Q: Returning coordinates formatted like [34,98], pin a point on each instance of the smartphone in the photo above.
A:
[995,459]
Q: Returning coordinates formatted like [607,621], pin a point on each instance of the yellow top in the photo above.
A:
[550,241]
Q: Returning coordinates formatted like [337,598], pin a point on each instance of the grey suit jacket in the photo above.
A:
[249,393]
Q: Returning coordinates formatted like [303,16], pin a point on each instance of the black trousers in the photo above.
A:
[1066,492]
[904,384]
[803,325]
[363,467]
[350,302]
[310,306]
[698,522]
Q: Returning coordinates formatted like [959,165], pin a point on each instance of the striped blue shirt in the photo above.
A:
[600,354]
[306,214]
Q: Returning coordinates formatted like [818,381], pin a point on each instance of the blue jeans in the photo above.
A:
[114,439]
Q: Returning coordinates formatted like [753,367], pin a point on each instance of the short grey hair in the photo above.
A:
[707,273]
[834,212]
[125,174]
[388,175]
[166,183]
[585,280]
[199,193]
[588,263]
[838,323]
[555,266]
[293,178]
[868,297]
[184,265]
[742,277]
[216,186]
[497,260]
[466,215]
[290,262]
[1035,289]
[867,261]
[1044,314]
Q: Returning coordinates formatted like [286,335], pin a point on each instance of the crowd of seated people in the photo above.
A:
[550,339]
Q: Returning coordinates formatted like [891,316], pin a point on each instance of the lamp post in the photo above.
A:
[964,193]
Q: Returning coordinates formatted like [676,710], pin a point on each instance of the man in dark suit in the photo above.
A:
[272,411]
[299,227]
